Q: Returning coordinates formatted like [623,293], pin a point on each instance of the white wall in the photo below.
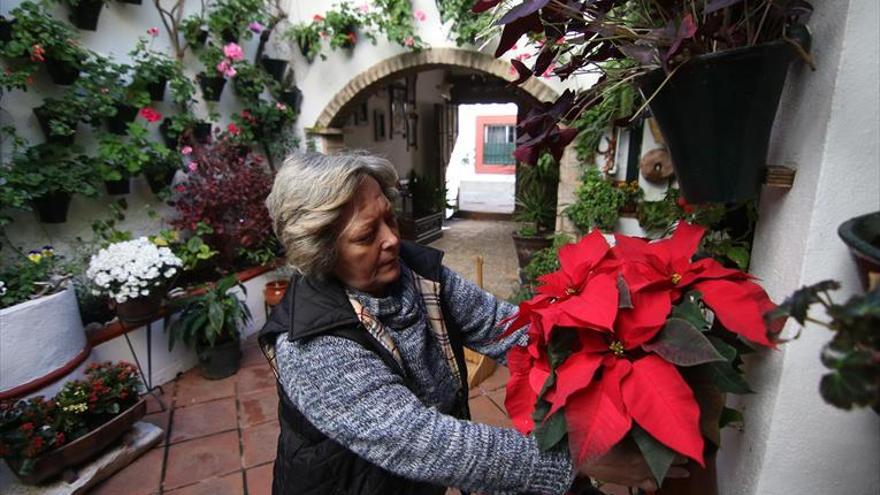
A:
[827,128]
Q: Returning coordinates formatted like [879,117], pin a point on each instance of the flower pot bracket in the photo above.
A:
[779,177]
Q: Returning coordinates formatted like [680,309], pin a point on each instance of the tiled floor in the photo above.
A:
[221,435]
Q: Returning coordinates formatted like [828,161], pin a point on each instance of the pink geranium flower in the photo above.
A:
[153,31]
[186,150]
[409,41]
[233,52]
[420,15]
[193,166]
[256,27]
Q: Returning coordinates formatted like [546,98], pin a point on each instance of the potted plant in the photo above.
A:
[273,292]
[58,118]
[45,40]
[862,235]
[535,208]
[264,120]
[40,438]
[194,31]
[194,253]
[153,69]
[120,158]
[250,81]
[729,58]
[211,322]
[851,355]
[598,203]
[229,19]
[135,274]
[50,174]
[275,67]
[341,25]
[218,67]
[308,36]
[31,276]
[84,14]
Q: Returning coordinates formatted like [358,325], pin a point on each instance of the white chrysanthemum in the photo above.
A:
[126,270]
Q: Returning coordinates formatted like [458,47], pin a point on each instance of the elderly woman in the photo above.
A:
[367,347]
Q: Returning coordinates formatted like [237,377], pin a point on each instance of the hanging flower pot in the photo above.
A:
[6,29]
[716,114]
[212,87]
[160,181]
[52,207]
[85,13]
[274,291]
[140,310]
[862,235]
[171,138]
[292,98]
[202,132]
[229,36]
[125,114]
[157,89]
[43,117]
[61,72]
[118,187]
[133,2]
[275,67]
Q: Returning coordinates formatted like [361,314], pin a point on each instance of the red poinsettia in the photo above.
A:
[605,341]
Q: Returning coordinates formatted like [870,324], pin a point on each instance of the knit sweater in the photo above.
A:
[348,393]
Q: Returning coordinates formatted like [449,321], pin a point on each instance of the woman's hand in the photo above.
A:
[625,465]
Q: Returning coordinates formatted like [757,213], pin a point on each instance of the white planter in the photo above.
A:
[38,337]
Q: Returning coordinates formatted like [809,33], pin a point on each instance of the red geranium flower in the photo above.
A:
[150,115]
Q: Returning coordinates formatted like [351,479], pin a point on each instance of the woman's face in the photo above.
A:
[369,243]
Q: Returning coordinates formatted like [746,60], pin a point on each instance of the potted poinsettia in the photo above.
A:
[712,73]
[135,274]
[639,340]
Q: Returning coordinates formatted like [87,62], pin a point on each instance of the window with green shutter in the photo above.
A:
[499,142]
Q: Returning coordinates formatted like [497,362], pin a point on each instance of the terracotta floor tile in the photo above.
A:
[498,398]
[259,480]
[202,458]
[166,398]
[192,389]
[141,477]
[474,392]
[252,356]
[231,484]
[255,378]
[260,443]
[484,411]
[159,419]
[203,419]
[258,407]
[496,380]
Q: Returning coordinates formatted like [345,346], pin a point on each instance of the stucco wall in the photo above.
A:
[827,128]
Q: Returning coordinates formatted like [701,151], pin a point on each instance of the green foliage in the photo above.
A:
[210,318]
[851,355]
[151,66]
[36,27]
[49,168]
[121,157]
[428,194]
[395,19]
[106,230]
[597,203]
[230,18]
[617,106]
[193,27]
[307,35]
[37,274]
[466,25]
[251,81]
[536,200]
[193,252]
[261,255]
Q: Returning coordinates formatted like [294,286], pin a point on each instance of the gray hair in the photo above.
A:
[309,195]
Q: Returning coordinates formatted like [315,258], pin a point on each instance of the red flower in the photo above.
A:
[59,438]
[38,53]
[318,18]
[150,115]
[233,129]
[26,428]
[351,38]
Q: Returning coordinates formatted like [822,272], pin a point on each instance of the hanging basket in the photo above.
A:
[118,187]
[43,117]
[62,72]
[212,87]
[292,97]
[138,311]
[86,13]
[157,89]
[862,235]
[82,449]
[158,182]
[716,114]
[6,29]
[125,114]
[202,132]
[52,207]
[275,67]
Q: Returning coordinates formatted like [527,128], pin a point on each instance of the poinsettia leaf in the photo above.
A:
[658,456]
[710,400]
[551,431]
[522,10]
[729,416]
[658,398]
[728,351]
[740,305]
[640,324]
[520,398]
[596,417]
[575,374]
[715,5]
[683,344]
[689,310]
[624,297]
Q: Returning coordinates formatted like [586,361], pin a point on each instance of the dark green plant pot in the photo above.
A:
[212,87]
[202,132]
[118,187]
[526,247]
[52,208]
[133,2]
[292,98]
[275,67]
[43,118]
[125,114]
[86,13]
[304,49]
[229,36]
[862,235]
[219,361]
[170,138]
[61,72]
[157,89]
[158,182]
[716,114]
[6,29]
[201,38]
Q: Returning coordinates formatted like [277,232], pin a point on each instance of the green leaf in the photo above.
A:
[844,389]
[739,255]
[727,378]
[658,456]
[730,416]
[728,351]
[551,432]
[689,309]
[683,344]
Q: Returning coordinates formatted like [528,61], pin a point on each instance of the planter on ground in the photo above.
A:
[53,207]
[219,361]
[716,113]
[527,246]
[424,229]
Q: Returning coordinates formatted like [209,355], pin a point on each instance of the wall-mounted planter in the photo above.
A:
[133,2]
[6,29]
[118,187]
[292,97]
[160,181]
[862,235]
[61,72]
[86,13]
[212,87]
[275,67]
[229,36]
[716,114]
[125,114]
[53,207]
[43,117]
[202,132]
[157,89]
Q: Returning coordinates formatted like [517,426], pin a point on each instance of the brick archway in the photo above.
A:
[431,58]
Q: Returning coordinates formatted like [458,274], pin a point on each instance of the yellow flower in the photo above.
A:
[35,257]
[160,241]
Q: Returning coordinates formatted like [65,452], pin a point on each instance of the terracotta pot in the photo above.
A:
[83,448]
[274,291]
[141,310]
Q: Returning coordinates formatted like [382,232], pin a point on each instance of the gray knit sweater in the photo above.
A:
[349,394]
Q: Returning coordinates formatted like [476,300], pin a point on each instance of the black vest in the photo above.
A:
[307,461]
